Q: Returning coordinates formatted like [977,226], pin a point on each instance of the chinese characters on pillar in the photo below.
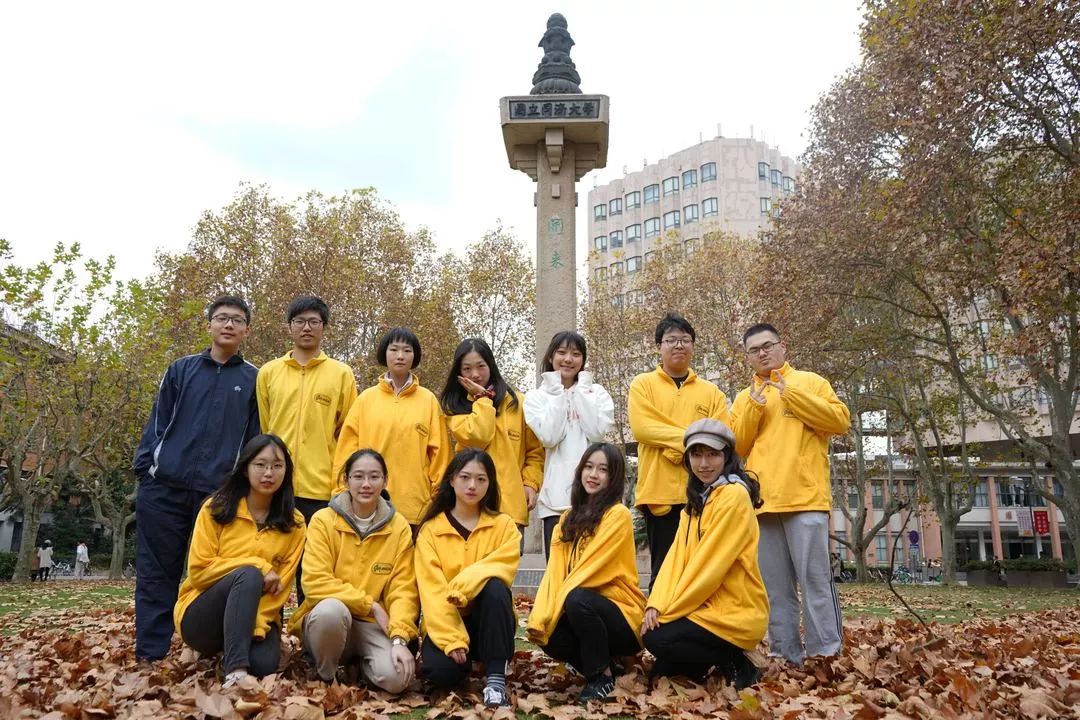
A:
[564,109]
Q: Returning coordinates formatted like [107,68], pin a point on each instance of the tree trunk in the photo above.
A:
[119,535]
[31,522]
[861,573]
[948,548]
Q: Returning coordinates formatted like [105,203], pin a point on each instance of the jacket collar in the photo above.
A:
[442,526]
[690,375]
[388,386]
[236,359]
[288,358]
[384,513]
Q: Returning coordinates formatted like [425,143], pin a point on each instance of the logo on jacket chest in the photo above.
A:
[514,435]
[322,399]
[421,429]
[381,569]
[702,410]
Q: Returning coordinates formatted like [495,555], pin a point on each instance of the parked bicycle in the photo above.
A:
[129,570]
[62,569]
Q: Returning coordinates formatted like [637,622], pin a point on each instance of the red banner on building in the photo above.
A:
[1042,521]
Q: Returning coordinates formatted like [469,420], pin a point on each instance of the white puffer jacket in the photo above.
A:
[566,421]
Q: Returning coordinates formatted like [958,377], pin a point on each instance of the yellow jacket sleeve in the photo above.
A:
[347,442]
[401,596]
[442,621]
[348,397]
[270,605]
[262,397]
[501,564]
[319,580]
[532,475]
[679,591]
[475,429]
[545,604]
[746,417]
[438,448]
[649,425]
[205,565]
[822,411]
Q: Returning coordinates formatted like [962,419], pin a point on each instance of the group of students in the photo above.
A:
[407,511]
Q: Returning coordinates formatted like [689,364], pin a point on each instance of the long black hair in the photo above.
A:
[569,338]
[454,400]
[586,510]
[445,498]
[733,465]
[236,486]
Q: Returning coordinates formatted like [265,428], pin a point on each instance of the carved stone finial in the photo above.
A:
[556,74]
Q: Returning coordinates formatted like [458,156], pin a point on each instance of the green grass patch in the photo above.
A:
[951,604]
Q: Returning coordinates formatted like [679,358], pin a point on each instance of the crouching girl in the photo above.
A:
[244,551]
[466,559]
[360,598]
[589,604]
[709,604]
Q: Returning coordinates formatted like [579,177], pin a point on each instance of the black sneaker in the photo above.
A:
[745,675]
[599,688]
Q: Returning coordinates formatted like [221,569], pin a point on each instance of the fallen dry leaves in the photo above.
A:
[79,665]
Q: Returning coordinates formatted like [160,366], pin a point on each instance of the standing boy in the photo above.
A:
[663,403]
[203,415]
[304,397]
[782,423]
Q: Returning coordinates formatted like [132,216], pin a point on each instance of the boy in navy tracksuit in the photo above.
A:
[204,413]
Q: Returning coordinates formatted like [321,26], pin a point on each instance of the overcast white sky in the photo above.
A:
[121,123]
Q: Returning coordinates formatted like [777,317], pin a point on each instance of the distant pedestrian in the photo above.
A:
[82,560]
[35,564]
[44,554]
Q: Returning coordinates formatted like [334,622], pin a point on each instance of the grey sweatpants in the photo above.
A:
[793,554]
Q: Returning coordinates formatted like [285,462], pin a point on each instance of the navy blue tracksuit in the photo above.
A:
[204,414]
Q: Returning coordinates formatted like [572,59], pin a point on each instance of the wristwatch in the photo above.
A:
[398,640]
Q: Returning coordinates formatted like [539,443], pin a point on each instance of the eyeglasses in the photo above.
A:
[234,320]
[677,342]
[261,467]
[360,477]
[313,323]
[764,348]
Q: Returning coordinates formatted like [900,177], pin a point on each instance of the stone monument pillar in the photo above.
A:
[555,135]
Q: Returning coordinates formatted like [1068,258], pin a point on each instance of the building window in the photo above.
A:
[708,172]
[854,502]
[615,239]
[633,200]
[599,212]
[633,264]
[671,186]
[775,176]
[615,207]
[599,273]
[763,171]
[652,194]
[689,214]
[616,268]
[689,179]
[617,301]
[877,495]
[710,207]
[691,246]
[599,243]
[789,184]
[652,227]
[982,499]
[766,205]
[649,257]
[990,362]
[633,233]
[881,550]
[841,548]
[634,297]
[671,219]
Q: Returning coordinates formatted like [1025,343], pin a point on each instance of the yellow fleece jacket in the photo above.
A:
[451,571]
[518,455]
[217,550]
[409,431]
[305,405]
[710,574]
[604,561]
[785,442]
[659,414]
[339,564]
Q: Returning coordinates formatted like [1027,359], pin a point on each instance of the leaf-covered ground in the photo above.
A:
[66,653]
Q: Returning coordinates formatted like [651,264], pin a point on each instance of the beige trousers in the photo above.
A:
[333,637]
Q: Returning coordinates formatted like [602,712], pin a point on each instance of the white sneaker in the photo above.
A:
[232,678]
[493,697]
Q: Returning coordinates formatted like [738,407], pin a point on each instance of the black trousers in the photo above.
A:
[490,626]
[549,529]
[307,507]
[222,619]
[164,519]
[660,530]
[685,648]
[591,631]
